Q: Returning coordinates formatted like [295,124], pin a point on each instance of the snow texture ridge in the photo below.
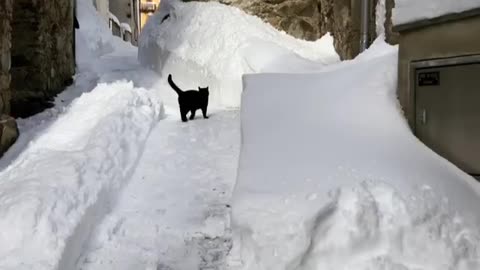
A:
[407,11]
[64,181]
[214,44]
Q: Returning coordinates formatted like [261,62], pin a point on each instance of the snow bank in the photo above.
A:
[407,11]
[330,177]
[214,44]
[63,182]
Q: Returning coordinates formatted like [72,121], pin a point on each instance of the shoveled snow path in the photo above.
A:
[174,213]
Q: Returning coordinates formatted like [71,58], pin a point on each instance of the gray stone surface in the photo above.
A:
[42,52]
[8,133]
[5,36]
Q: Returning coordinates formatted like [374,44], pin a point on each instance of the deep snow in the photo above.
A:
[407,11]
[70,173]
[111,179]
[213,44]
[331,177]
[75,170]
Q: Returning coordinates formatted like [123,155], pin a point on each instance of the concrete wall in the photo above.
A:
[5,35]
[447,39]
[42,53]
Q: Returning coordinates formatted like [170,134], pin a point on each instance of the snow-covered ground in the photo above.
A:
[173,214]
[110,178]
[407,11]
[331,177]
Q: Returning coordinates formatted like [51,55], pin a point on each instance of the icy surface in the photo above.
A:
[407,11]
[213,44]
[330,177]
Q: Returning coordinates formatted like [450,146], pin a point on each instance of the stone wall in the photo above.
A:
[311,19]
[8,126]
[42,53]
[392,37]
[5,18]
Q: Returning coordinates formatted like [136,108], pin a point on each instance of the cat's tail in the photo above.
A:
[173,85]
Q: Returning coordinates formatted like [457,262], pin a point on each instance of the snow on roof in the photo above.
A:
[408,11]
[125,27]
[114,18]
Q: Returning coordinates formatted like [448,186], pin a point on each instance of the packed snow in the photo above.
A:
[173,214]
[331,177]
[213,44]
[407,11]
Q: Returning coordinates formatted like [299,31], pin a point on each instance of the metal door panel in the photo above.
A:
[447,104]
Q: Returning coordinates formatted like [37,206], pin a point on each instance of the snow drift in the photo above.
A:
[214,44]
[407,11]
[63,182]
[330,177]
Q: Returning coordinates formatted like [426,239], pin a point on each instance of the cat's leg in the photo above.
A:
[183,114]
[192,114]
[204,112]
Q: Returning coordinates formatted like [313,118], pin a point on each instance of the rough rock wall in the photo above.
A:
[311,19]
[5,18]
[8,126]
[391,36]
[42,53]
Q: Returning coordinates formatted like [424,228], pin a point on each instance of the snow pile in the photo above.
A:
[65,180]
[407,11]
[214,44]
[330,177]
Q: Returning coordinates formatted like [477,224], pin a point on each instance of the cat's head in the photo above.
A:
[203,90]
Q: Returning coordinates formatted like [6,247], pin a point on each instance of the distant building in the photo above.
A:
[147,8]
[125,12]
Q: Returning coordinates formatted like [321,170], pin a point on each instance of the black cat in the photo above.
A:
[191,100]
